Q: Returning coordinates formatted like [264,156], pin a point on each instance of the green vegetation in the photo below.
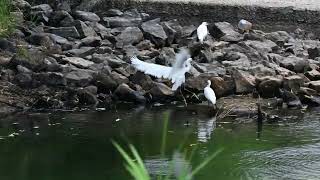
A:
[136,168]
[7,22]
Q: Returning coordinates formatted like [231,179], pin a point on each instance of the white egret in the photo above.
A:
[209,94]
[244,25]
[176,73]
[202,31]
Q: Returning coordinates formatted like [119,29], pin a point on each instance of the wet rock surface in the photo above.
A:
[74,59]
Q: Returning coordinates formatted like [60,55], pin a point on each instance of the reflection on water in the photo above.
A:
[76,146]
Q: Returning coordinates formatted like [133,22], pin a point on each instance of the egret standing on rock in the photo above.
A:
[176,73]
[210,95]
[202,32]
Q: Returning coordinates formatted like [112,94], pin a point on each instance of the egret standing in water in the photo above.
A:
[176,73]
[202,32]
[210,95]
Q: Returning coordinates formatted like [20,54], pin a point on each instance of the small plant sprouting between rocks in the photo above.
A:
[7,22]
[179,167]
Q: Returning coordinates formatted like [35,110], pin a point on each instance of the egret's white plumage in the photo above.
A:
[244,25]
[202,31]
[209,93]
[176,73]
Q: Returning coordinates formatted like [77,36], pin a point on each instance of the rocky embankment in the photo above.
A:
[62,59]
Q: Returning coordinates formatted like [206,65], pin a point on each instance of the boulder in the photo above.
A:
[92,41]
[61,18]
[87,16]
[245,82]
[215,69]
[226,32]
[51,78]
[23,80]
[199,82]
[84,30]
[270,87]
[313,75]
[166,57]
[173,30]
[293,82]
[125,93]
[129,36]
[65,32]
[86,97]
[160,91]
[117,21]
[143,80]
[79,62]
[82,52]
[63,42]
[314,52]
[40,39]
[112,60]
[315,85]
[114,12]
[290,98]
[295,64]
[223,86]
[79,77]
[155,32]
[266,46]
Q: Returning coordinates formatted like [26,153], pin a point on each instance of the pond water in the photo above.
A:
[76,145]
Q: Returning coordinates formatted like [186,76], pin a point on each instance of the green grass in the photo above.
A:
[137,169]
[7,21]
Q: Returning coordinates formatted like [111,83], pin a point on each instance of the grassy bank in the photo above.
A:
[6,18]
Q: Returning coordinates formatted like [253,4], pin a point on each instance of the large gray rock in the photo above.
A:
[215,69]
[223,86]
[65,44]
[87,16]
[226,32]
[293,82]
[86,97]
[61,18]
[279,37]
[112,60]
[166,57]
[160,91]
[245,82]
[155,32]
[51,78]
[143,80]
[173,30]
[65,32]
[79,77]
[121,21]
[266,46]
[198,82]
[129,36]
[92,41]
[125,93]
[315,85]
[39,39]
[295,64]
[269,86]
[84,30]
[313,75]
[291,99]
[82,52]
[79,62]
[314,52]
[23,80]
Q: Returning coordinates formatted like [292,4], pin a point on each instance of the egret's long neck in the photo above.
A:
[209,84]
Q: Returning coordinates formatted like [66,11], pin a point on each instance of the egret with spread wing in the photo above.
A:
[202,32]
[209,94]
[176,73]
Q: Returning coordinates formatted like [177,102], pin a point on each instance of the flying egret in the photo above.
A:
[202,31]
[210,95]
[176,73]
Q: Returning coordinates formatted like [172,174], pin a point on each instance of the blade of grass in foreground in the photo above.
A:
[136,169]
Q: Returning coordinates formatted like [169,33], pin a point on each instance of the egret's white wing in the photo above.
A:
[210,95]
[181,57]
[156,70]
[202,32]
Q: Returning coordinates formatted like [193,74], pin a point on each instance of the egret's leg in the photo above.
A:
[184,99]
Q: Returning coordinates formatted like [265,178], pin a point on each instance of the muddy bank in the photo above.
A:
[63,59]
